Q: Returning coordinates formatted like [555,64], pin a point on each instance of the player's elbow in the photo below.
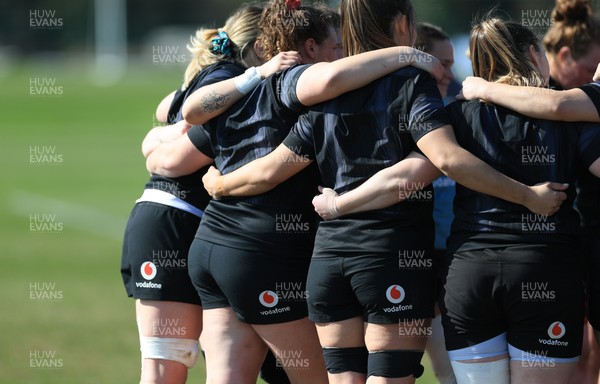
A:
[191,115]
[558,108]
[447,162]
[562,109]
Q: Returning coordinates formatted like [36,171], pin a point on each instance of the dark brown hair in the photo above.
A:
[574,27]
[286,29]
[499,53]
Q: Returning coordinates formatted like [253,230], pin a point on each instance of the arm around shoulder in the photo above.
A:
[540,103]
[441,148]
[325,81]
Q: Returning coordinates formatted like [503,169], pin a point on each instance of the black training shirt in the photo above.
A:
[528,150]
[360,133]
[282,218]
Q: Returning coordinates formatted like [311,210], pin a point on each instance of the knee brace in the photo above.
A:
[338,360]
[492,372]
[184,351]
[398,363]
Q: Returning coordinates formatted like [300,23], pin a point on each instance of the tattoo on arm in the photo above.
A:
[214,101]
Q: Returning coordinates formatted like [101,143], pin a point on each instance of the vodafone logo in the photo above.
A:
[268,298]
[395,294]
[556,330]
[148,270]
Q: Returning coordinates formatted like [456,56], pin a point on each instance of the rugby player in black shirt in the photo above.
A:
[164,220]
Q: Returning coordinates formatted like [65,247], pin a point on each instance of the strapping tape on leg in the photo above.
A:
[492,372]
[184,351]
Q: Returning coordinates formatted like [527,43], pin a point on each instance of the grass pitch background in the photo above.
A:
[71,171]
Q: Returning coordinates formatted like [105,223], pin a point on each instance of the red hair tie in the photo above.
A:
[293,4]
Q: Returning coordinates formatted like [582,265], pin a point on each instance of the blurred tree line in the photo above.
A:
[77,30]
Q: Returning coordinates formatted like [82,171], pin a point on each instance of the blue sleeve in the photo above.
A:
[212,74]
[427,111]
[593,92]
[201,140]
[300,139]
[217,73]
[286,87]
[589,143]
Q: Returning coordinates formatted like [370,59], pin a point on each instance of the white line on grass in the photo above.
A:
[73,215]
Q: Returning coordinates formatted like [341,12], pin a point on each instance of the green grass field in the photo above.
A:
[71,170]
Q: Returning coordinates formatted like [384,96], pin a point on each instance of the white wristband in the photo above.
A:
[333,209]
[248,80]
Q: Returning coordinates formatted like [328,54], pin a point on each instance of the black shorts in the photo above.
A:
[383,289]
[532,292]
[154,261]
[440,267]
[266,287]
[591,246]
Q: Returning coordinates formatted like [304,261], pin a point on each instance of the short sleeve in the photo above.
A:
[214,74]
[589,143]
[209,75]
[427,111]
[199,137]
[286,87]
[300,139]
[593,92]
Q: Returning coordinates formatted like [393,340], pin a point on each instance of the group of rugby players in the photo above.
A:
[234,257]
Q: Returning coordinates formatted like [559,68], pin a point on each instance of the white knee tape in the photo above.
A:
[184,351]
[493,372]
[496,346]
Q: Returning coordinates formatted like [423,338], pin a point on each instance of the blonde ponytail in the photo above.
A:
[209,46]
